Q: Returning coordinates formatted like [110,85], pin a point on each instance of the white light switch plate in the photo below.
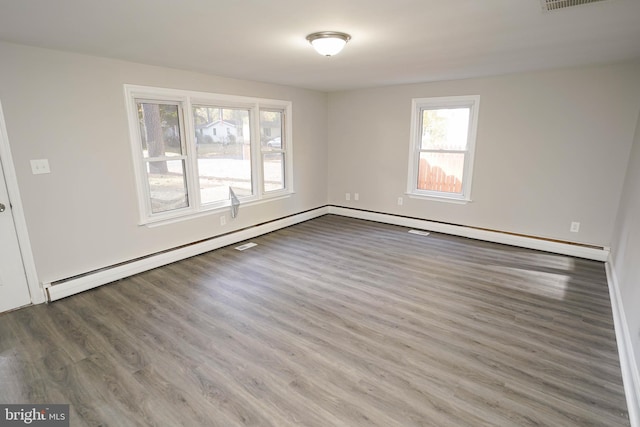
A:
[40,166]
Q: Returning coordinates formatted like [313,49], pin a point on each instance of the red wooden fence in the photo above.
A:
[433,178]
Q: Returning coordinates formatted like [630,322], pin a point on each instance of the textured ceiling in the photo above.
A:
[394,42]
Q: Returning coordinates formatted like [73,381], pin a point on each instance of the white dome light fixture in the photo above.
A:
[328,43]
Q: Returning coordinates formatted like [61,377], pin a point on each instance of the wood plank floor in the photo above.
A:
[332,322]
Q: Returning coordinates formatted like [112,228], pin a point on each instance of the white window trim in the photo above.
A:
[417,104]
[212,211]
[186,100]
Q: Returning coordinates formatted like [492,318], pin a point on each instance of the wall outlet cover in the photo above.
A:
[40,166]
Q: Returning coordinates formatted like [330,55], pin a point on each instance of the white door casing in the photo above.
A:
[19,283]
[14,289]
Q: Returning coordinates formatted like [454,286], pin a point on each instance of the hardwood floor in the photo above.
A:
[332,322]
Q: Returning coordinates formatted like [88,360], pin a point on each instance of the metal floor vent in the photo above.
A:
[551,5]
[419,232]
[245,246]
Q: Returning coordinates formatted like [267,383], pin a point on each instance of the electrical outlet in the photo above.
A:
[347,196]
[223,220]
[575,227]
[40,166]
[356,196]
[400,201]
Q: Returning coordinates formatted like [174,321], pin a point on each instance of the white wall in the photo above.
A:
[625,251]
[552,148]
[70,109]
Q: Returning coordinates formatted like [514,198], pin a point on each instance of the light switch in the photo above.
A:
[40,166]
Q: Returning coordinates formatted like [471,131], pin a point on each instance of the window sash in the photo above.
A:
[154,205]
[227,154]
[274,176]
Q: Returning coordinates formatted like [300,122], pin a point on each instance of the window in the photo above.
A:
[190,148]
[443,132]
[273,153]
[222,161]
[163,155]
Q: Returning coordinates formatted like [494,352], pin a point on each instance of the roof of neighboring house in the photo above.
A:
[230,123]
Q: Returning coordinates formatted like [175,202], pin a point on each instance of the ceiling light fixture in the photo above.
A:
[328,43]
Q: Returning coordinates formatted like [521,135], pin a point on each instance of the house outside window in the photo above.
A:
[443,133]
[190,148]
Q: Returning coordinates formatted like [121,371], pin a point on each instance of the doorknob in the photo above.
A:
[2,207]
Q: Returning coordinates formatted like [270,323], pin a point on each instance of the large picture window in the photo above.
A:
[443,132]
[190,148]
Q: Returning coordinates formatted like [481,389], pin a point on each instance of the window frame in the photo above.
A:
[185,101]
[418,105]
[284,143]
[144,161]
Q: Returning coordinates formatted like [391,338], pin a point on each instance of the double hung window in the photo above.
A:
[191,148]
[443,132]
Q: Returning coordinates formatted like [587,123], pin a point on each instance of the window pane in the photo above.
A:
[223,142]
[445,129]
[271,130]
[273,171]
[159,129]
[441,172]
[167,185]
[224,126]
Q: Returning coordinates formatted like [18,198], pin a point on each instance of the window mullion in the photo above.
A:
[191,163]
[288,149]
[257,159]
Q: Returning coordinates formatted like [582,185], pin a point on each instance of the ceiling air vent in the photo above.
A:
[550,5]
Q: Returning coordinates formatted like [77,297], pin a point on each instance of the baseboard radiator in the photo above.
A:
[67,287]
[529,242]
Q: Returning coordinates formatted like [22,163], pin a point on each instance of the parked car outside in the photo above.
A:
[275,143]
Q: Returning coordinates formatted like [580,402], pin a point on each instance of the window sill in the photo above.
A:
[152,223]
[439,199]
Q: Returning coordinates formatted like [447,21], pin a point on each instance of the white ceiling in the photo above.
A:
[393,41]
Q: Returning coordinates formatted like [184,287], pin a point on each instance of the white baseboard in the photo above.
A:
[72,286]
[628,362]
[89,281]
[475,233]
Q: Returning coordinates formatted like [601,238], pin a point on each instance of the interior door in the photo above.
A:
[14,289]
